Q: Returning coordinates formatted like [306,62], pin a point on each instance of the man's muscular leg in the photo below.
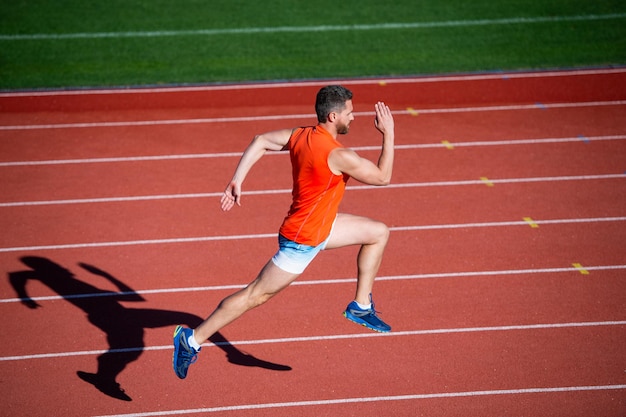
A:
[372,235]
[270,281]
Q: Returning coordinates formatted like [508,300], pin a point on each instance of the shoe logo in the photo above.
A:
[359,313]
[183,342]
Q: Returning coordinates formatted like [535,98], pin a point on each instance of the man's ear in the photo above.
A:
[332,116]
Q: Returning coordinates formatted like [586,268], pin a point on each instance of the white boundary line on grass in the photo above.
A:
[308,339]
[319,28]
[409,397]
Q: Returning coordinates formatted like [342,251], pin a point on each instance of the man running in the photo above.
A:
[321,166]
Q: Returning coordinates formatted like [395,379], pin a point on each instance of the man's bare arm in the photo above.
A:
[349,162]
[270,141]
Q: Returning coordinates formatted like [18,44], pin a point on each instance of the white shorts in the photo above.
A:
[294,257]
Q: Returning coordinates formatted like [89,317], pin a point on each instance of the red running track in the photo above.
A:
[503,279]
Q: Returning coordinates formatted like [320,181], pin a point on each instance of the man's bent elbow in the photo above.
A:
[377,179]
[379,182]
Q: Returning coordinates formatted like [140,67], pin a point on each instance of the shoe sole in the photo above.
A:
[363,323]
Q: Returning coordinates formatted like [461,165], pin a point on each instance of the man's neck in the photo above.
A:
[330,128]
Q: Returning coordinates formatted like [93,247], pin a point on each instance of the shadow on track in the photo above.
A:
[123,326]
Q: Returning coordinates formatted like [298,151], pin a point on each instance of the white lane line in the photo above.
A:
[133,198]
[152,158]
[139,242]
[505,224]
[410,397]
[159,122]
[288,190]
[440,275]
[137,158]
[273,235]
[241,119]
[493,181]
[297,84]
[320,28]
[308,339]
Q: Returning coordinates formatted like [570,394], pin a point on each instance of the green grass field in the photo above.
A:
[71,43]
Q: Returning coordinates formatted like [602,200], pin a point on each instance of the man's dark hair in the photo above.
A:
[329,99]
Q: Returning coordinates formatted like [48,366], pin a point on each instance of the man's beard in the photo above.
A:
[343,129]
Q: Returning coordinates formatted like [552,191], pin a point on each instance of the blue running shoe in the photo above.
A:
[184,355]
[367,318]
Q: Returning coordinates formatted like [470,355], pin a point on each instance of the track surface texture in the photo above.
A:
[504,278]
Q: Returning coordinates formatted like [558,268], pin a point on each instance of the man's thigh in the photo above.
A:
[271,280]
[355,230]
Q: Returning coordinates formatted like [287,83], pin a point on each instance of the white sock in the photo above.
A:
[192,341]
[364,306]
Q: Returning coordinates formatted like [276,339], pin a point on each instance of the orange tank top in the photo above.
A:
[317,191]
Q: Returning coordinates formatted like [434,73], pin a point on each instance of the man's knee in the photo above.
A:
[381,231]
[265,286]
[255,297]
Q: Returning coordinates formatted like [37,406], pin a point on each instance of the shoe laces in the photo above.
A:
[373,310]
